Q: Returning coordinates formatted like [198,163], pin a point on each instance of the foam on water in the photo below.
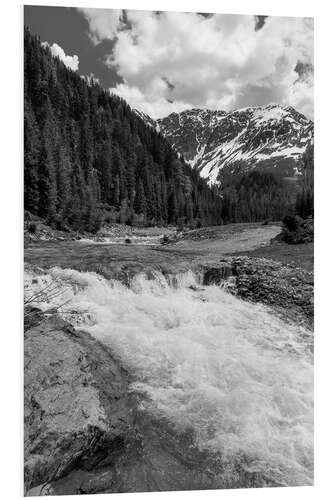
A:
[123,240]
[230,370]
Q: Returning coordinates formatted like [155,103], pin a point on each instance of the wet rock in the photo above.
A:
[215,274]
[286,288]
[72,386]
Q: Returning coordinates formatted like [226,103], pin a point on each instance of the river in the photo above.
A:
[236,375]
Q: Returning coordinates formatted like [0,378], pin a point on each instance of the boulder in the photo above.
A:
[71,386]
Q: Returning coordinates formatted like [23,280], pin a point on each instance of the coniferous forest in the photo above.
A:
[89,159]
[257,195]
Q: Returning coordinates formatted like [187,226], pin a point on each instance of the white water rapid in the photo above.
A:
[206,360]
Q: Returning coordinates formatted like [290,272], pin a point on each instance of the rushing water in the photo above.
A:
[241,378]
[124,240]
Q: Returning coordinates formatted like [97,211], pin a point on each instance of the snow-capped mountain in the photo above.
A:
[271,137]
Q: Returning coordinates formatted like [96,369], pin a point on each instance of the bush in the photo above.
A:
[295,230]
[291,222]
[32,227]
[27,215]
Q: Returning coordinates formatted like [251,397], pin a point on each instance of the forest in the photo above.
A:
[89,159]
[258,195]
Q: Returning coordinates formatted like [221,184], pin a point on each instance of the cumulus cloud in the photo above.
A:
[103,23]
[155,108]
[172,61]
[71,62]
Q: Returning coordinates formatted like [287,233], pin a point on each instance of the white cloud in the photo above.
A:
[300,95]
[155,108]
[218,62]
[103,23]
[71,62]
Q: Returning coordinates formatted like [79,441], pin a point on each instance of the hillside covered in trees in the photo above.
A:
[88,158]
[256,195]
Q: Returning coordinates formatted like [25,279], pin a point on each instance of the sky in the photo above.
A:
[164,62]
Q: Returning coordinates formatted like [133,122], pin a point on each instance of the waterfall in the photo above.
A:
[234,373]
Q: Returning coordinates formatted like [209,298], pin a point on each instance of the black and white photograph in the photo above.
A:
[168,250]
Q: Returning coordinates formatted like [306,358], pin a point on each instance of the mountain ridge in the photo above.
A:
[218,142]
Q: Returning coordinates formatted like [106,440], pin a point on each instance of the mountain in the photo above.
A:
[89,159]
[219,143]
[147,119]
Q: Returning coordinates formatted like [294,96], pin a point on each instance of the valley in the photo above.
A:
[168,289]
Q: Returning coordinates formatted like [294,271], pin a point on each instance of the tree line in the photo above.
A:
[89,159]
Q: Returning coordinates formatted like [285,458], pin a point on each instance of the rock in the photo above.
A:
[214,275]
[41,490]
[72,385]
[165,239]
[286,288]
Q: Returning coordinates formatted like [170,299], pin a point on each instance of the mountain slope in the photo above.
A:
[218,143]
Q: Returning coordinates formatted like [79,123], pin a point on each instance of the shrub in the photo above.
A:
[296,230]
[27,215]
[291,222]
[32,227]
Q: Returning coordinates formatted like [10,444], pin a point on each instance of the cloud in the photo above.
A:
[71,62]
[103,23]
[155,108]
[172,61]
